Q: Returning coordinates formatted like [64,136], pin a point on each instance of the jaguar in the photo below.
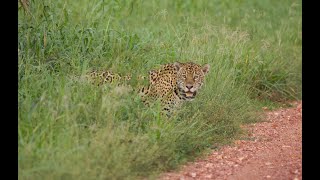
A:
[172,83]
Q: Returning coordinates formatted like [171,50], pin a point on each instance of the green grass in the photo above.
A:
[69,129]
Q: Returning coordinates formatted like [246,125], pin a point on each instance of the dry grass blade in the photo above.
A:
[25,6]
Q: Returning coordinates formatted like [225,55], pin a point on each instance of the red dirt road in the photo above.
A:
[274,151]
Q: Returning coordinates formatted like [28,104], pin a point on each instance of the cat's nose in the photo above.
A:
[189,86]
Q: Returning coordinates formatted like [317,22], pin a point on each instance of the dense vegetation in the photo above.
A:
[70,129]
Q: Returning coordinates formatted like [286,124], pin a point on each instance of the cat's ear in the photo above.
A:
[205,68]
[177,65]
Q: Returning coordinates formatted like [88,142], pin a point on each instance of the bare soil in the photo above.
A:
[273,151]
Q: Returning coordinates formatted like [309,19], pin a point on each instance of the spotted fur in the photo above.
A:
[172,83]
[175,83]
[100,78]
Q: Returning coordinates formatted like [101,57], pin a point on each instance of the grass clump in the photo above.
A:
[69,129]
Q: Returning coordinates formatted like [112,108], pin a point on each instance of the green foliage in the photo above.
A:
[69,129]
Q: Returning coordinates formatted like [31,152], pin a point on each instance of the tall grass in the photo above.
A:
[69,129]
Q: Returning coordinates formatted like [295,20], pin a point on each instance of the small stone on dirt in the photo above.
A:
[193,175]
